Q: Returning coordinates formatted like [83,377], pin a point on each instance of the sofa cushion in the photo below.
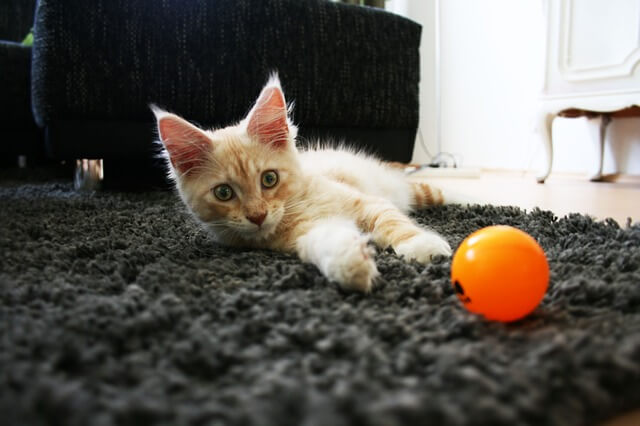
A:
[344,66]
[15,85]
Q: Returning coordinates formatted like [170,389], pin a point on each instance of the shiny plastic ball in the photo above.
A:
[500,272]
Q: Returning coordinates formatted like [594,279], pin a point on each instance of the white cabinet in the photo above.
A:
[592,67]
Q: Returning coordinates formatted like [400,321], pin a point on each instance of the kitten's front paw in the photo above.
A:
[353,267]
[423,247]
[341,252]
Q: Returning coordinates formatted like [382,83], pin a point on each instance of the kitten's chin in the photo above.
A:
[255,235]
[264,232]
[242,236]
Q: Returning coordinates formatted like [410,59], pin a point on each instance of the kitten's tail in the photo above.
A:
[425,195]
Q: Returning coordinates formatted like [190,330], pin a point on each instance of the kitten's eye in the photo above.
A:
[223,192]
[269,179]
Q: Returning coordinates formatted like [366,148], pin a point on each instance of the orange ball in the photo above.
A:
[500,272]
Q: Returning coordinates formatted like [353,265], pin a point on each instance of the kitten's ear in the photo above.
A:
[267,121]
[186,144]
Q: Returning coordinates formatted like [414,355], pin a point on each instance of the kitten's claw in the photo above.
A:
[423,247]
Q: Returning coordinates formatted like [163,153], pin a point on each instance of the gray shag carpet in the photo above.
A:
[115,308]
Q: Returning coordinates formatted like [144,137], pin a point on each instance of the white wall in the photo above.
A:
[491,64]
[424,12]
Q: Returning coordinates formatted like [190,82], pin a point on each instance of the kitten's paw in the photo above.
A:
[353,266]
[341,253]
[423,247]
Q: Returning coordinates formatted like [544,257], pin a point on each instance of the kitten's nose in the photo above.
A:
[258,218]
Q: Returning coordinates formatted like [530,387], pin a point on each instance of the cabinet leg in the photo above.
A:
[88,175]
[545,123]
[598,132]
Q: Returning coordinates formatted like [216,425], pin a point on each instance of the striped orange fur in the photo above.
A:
[425,195]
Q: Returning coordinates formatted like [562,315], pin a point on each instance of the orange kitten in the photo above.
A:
[250,186]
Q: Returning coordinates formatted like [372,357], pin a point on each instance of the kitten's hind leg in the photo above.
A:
[425,195]
[340,251]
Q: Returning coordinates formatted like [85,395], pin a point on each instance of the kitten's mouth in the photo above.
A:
[268,227]
[265,230]
[257,233]
[251,231]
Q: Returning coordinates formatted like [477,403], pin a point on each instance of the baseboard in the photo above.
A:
[448,172]
[476,172]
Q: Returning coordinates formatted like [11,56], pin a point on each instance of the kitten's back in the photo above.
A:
[358,170]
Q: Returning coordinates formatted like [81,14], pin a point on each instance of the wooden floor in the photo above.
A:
[562,194]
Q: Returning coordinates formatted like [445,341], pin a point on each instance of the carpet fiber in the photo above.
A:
[115,308]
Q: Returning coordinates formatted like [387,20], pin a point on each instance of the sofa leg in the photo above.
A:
[88,175]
